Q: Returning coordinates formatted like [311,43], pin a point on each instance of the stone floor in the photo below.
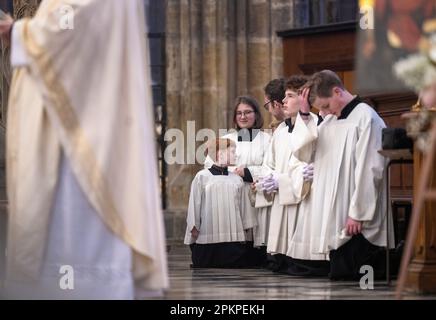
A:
[254,284]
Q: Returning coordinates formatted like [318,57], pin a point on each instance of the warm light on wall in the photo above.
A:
[366,3]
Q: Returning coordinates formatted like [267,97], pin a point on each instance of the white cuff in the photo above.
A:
[19,56]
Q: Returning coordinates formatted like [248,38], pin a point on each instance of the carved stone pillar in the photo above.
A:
[216,50]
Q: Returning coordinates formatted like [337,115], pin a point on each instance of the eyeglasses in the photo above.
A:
[266,105]
[245,113]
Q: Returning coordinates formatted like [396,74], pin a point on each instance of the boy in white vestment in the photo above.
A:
[286,183]
[215,228]
[348,195]
[251,146]
[274,93]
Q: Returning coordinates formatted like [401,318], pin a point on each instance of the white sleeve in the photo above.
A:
[368,174]
[268,164]
[19,56]
[194,207]
[292,187]
[257,170]
[307,133]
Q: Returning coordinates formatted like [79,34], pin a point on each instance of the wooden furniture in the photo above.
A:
[419,275]
[395,156]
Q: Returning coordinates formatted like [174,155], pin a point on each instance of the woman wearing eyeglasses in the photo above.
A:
[251,146]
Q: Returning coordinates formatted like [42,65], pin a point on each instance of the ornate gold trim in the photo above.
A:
[81,151]
[417,106]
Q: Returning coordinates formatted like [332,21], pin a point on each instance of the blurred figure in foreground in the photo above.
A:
[84,219]
[418,71]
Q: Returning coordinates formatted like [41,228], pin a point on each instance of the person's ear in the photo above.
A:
[337,91]
[278,105]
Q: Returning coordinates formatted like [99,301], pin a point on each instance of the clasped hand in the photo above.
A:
[269,184]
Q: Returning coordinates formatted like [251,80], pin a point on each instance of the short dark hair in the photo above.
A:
[258,123]
[322,83]
[296,82]
[275,90]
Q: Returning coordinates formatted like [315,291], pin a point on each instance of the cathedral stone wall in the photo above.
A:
[216,50]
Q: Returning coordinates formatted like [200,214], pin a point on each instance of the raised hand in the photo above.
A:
[303,97]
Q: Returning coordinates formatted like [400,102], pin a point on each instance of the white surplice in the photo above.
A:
[292,189]
[63,158]
[349,180]
[250,155]
[215,208]
[100,261]
[299,244]
[263,202]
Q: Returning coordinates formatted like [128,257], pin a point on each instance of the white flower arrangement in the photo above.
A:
[418,70]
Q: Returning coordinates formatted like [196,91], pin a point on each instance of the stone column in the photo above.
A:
[216,50]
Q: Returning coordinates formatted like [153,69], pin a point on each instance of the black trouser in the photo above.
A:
[346,261]
[305,268]
[220,255]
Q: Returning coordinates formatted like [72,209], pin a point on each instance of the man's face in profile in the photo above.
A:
[330,105]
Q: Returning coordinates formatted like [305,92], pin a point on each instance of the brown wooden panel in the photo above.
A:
[307,54]
[293,56]
[349,78]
